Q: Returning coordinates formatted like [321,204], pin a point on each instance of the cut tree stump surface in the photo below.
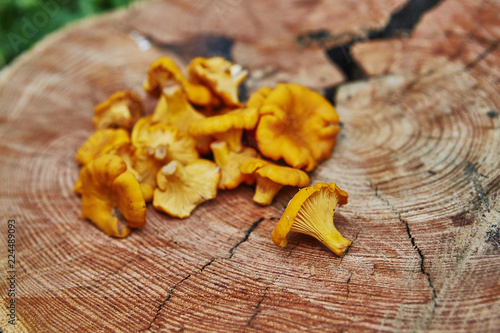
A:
[418,153]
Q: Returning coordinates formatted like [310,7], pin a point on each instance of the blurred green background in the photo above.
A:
[24,22]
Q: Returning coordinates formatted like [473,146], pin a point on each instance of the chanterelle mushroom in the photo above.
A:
[311,212]
[222,76]
[182,188]
[271,178]
[174,109]
[122,109]
[105,184]
[156,145]
[229,162]
[164,71]
[226,127]
[298,125]
[102,142]
[257,98]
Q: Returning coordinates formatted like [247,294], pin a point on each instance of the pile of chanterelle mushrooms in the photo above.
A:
[271,141]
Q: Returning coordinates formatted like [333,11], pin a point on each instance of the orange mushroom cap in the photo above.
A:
[256,100]
[227,126]
[106,184]
[156,145]
[164,72]
[271,178]
[229,162]
[182,188]
[222,76]
[174,109]
[298,125]
[122,109]
[101,142]
[311,212]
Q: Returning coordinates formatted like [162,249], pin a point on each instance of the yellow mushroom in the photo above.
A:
[105,141]
[182,188]
[156,145]
[229,162]
[174,109]
[222,76]
[106,184]
[122,109]
[164,72]
[256,100]
[311,212]
[298,125]
[271,178]
[226,127]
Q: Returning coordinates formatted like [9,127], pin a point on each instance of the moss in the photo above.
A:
[24,22]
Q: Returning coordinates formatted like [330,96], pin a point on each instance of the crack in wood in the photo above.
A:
[493,46]
[290,252]
[347,251]
[401,22]
[478,238]
[347,285]
[231,253]
[467,67]
[170,294]
[257,307]
[421,256]
[245,237]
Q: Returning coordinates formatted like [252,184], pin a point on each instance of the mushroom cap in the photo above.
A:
[105,184]
[222,76]
[181,188]
[298,125]
[256,100]
[156,145]
[174,109]
[164,71]
[317,217]
[227,126]
[101,142]
[279,174]
[242,118]
[229,162]
[271,178]
[122,109]
[161,72]
[165,143]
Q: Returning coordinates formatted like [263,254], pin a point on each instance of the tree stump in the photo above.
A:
[418,153]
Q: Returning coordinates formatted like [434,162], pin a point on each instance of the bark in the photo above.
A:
[418,153]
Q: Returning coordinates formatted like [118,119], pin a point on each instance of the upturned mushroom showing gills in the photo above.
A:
[311,212]
[296,124]
[181,188]
[122,110]
[106,184]
[271,178]
[156,145]
[222,76]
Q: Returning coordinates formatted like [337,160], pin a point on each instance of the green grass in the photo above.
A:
[24,22]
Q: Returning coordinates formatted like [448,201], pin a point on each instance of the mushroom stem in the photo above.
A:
[160,152]
[265,190]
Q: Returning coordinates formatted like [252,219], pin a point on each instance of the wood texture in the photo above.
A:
[418,154]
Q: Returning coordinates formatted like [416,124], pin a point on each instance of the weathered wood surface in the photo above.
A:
[418,154]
